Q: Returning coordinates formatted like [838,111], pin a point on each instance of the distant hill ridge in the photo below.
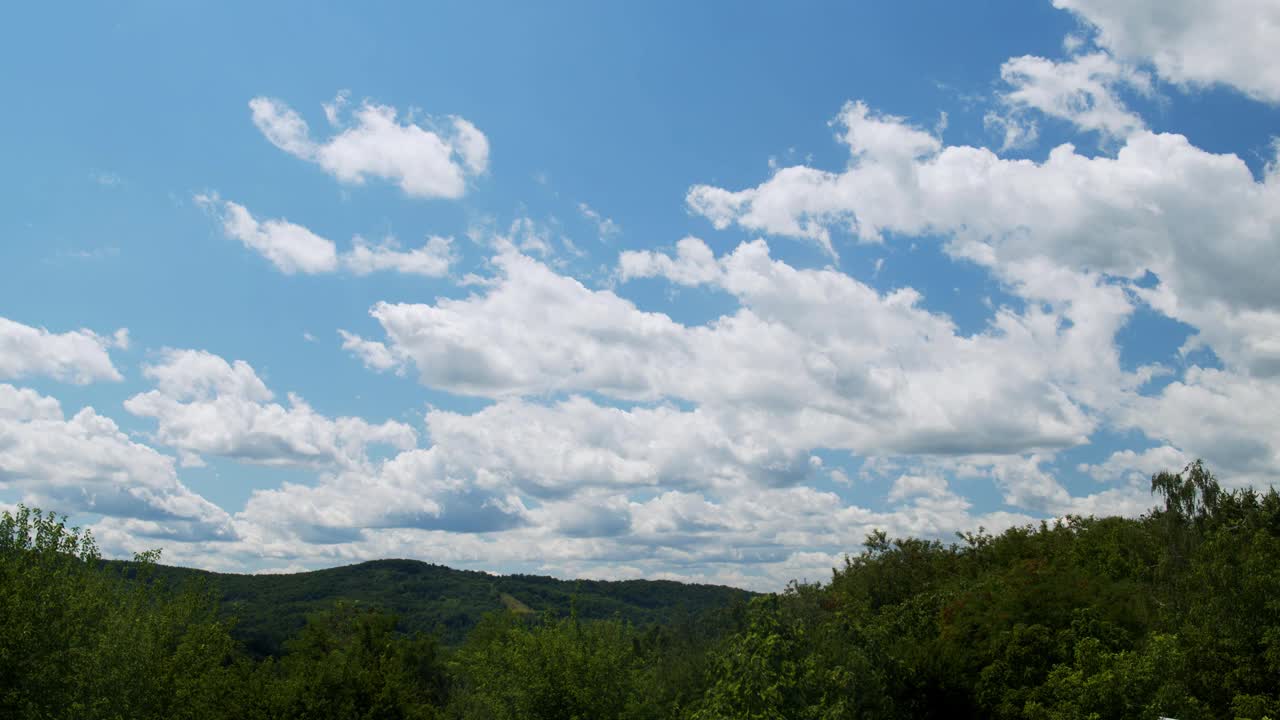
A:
[434,598]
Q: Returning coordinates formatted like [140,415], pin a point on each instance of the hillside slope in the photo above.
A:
[439,599]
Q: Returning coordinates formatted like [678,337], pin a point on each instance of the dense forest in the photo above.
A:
[1175,613]
[447,603]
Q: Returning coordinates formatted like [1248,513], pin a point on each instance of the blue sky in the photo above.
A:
[703,291]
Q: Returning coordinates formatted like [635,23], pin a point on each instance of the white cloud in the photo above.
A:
[283,127]
[86,464]
[693,264]
[1148,209]
[1136,466]
[290,247]
[1226,418]
[577,458]
[77,356]
[1023,480]
[802,202]
[424,162]
[433,259]
[25,405]
[536,331]
[815,359]
[909,486]
[1052,230]
[472,145]
[1083,91]
[415,489]
[813,356]
[555,450]
[625,443]
[1194,43]
[374,355]
[732,504]
[418,504]
[204,405]
[293,248]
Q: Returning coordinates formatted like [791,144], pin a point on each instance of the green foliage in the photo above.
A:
[679,660]
[552,669]
[77,643]
[435,599]
[349,663]
[1171,614]
[1125,684]
[786,665]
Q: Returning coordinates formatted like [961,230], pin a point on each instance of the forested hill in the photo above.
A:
[438,599]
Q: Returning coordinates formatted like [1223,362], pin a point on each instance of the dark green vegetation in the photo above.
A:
[1176,613]
[433,599]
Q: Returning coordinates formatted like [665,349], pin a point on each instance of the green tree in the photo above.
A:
[78,642]
[349,663]
[793,661]
[552,669]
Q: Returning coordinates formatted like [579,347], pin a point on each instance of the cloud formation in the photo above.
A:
[76,356]
[1083,90]
[1229,42]
[289,246]
[588,432]
[1077,230]
[426,162]
[1148,209]
[433,259]
[292,248]
[87,464]
[204,405]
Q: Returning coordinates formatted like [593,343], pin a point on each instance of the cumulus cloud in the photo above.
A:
[1079,232]
[290,247]
[87,464]
[1230,42]
[76,356]
[908,486]
[535,331]
[1225,417]
[204,405]
[426,162]
[555,450]
[814,355]
[621,442]
[1149,208]
[1136,465]
[814,359]
[693,264]
[416,489]
[576,458]
[417,505]
[553,487]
